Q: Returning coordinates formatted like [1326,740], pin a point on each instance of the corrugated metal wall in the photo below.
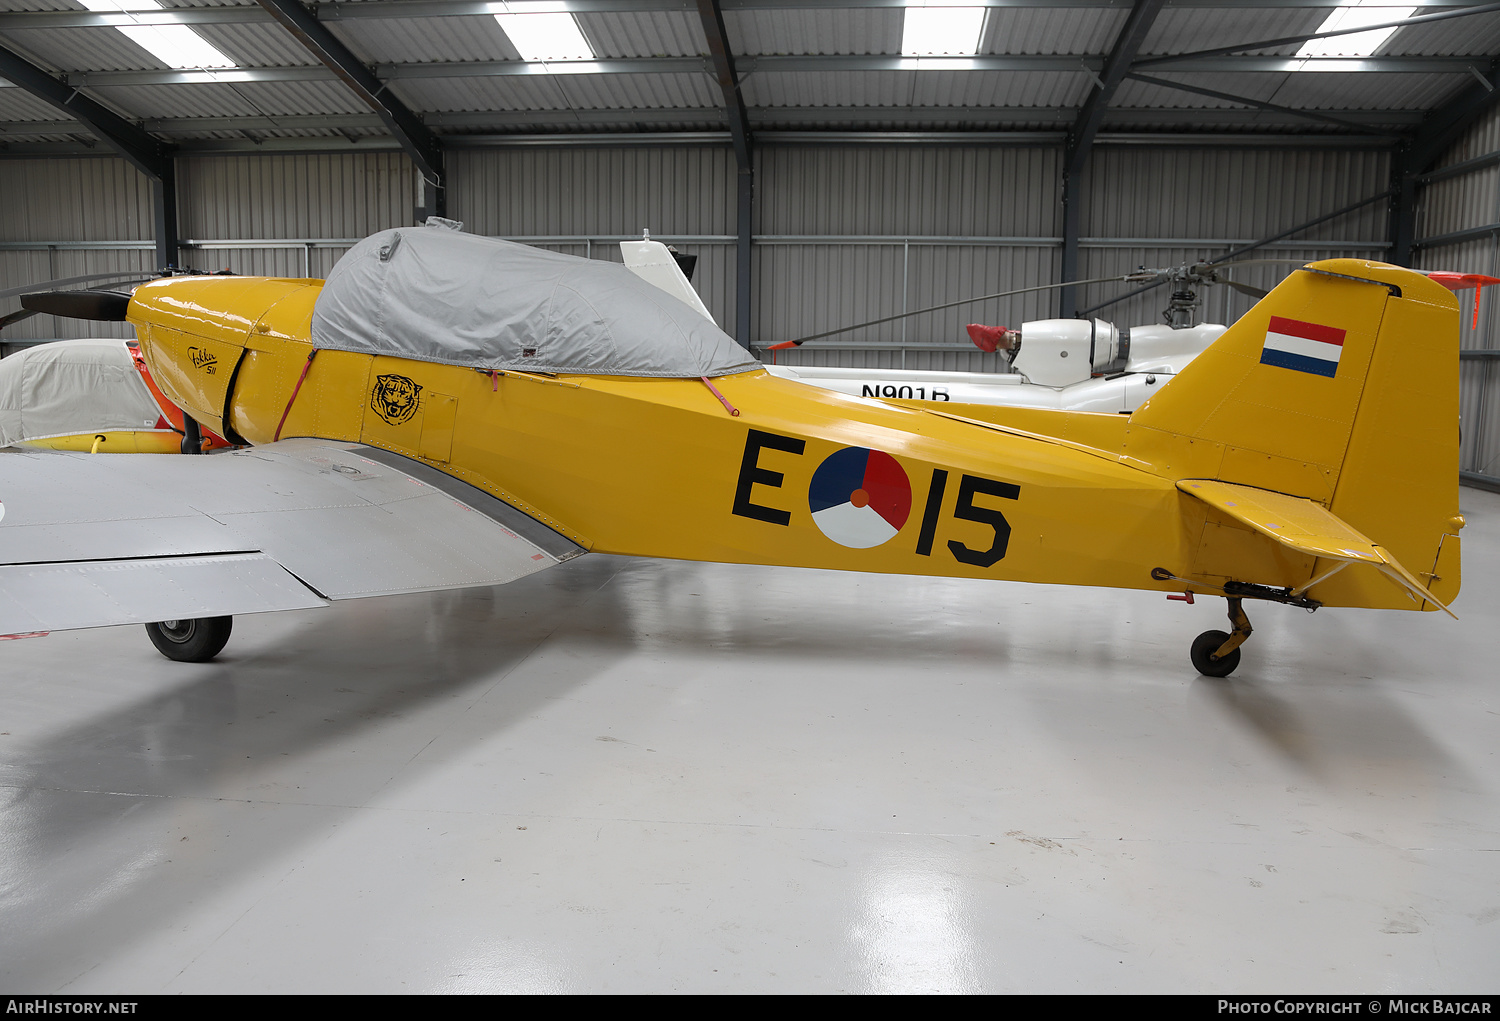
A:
[64,218]
[1223,199]
[585,201]
[843,235]
[925,226]
[298,213]
[1462,203]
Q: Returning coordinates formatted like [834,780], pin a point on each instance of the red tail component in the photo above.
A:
[1462,282]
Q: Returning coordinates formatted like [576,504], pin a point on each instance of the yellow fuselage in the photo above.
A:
[661,467]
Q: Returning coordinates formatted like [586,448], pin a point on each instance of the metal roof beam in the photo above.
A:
[418,141]
[331,11]
[1312,115]
[712,19]
[697,65]
[854,116]
[1267,44]
[1096,65]
[1443,125]
[1441,129]
[729,83]
[1053,139]
[1127,45]
[147,154]
[1081,137]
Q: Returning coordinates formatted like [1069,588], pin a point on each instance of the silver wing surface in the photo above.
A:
[93,539]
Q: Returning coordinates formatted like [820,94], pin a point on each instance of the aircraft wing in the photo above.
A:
[90,540]
[1307,527]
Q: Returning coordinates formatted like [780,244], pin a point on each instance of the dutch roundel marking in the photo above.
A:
[1304,347]
[859,497]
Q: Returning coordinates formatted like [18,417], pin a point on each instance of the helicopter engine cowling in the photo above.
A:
[1059,352]
[1161,348]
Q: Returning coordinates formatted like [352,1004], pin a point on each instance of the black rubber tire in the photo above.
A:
[191,641]
[1202,654]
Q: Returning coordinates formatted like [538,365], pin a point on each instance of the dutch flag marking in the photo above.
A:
[1305,347]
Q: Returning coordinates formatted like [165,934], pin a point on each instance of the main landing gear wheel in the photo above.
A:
[191,641]
[1209,665]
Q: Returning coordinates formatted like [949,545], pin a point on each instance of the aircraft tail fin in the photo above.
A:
[1339,389]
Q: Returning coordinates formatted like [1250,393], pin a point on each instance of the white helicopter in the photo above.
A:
[1068,364]
[1056,364]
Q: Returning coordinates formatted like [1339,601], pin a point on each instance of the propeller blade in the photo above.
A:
[99,306]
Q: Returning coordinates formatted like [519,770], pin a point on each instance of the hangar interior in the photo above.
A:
[626,775]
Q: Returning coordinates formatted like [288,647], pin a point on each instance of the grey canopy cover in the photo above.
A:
[438,295]
[70,387]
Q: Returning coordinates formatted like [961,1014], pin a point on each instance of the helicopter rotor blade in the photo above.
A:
[1254,292]
[120,277]
[1128,294]
[935,308]
[1219,267]
[16,317]
[1205,268]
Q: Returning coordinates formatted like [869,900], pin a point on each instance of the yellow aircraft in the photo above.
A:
[1309,456]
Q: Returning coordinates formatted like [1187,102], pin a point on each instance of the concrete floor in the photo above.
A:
[638,776]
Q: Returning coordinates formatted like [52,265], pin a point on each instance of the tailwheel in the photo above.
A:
[1217,653]
[1205,646]
[195,640]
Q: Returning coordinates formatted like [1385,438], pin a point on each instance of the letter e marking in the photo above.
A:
[752,474]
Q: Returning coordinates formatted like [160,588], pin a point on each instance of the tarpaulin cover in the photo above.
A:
[71,387]
[438,295]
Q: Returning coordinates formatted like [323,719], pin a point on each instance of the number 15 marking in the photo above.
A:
[966,511]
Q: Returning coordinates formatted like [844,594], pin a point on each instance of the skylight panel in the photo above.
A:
[1353,14]
[174,45]
[544,34]
[935,30]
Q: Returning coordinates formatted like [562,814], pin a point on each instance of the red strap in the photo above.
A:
[295,390]
[722,399]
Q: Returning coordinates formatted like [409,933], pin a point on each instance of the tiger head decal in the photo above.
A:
[395,398]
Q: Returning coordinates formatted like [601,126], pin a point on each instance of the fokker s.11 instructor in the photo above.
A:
[450,410]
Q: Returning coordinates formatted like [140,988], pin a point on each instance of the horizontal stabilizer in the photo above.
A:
[1305,526]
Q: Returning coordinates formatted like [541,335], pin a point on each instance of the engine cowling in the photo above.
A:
[1059,352]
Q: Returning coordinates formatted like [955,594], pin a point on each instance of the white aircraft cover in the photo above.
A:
[436,294]
[70,387]
[90,540]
